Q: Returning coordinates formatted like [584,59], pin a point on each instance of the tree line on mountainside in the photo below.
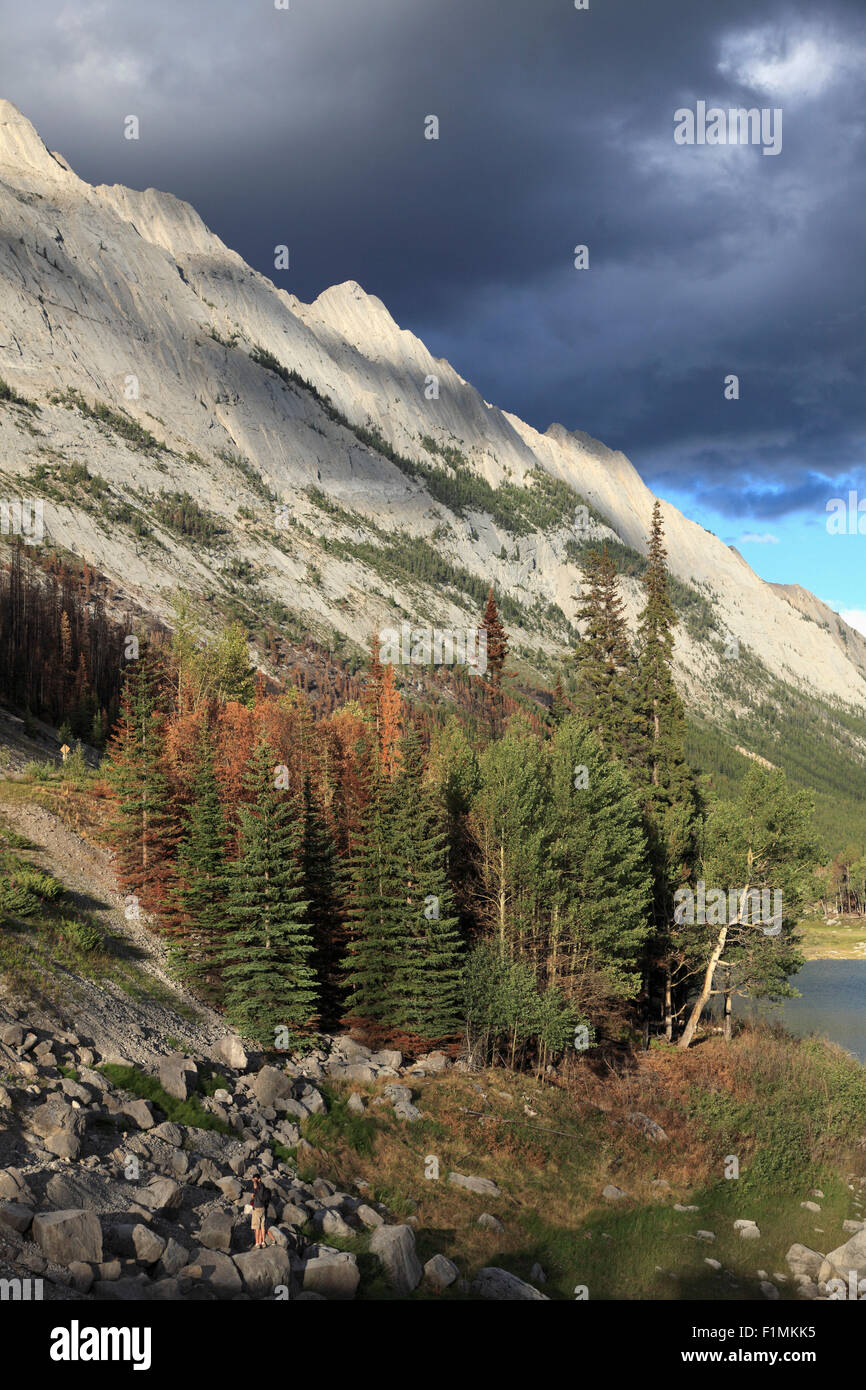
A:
[515,885]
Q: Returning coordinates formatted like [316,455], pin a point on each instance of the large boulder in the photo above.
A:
[216,1231]
[433,1063]
[231,1187]
[178,1076]
[398,1095]
[74,1189]
[293,1215]
[332,1224]
[439,1273]
[369,1217]
[312,1100]
[129,1290]
[148,1246]
[388,1057]
[502,1286]
[169,1133]
[218,1271]
[485,1186]
[801,1260]
[395,1248]
[67,1236]
[173,1258]
[848,1257]
[351,1051]
[361,1072]
[231,1052]
[59,1125]
[272,1085]
[161,1195]
[16,1216]
[332,1276]
[14,1187]
[139,1113]
[263,1270]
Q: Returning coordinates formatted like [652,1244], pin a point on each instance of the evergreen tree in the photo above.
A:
[374,917]
[427,978]
[203,871]
[666,781]
[605,679]
[597,871]
[324,886]
[270,982]
[403,963]
[142,827]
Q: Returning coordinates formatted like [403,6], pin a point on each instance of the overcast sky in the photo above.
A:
[305,126]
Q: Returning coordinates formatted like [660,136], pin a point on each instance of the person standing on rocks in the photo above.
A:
[260,1211]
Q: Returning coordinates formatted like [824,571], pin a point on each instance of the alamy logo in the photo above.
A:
[21,1290]
[846,518]
[739,906]
[423,646]
[23,518]
[77,1343]
[738,126]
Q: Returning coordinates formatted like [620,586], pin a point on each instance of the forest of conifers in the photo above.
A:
[506,883]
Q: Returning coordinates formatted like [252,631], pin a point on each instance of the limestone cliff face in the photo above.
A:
[129,299]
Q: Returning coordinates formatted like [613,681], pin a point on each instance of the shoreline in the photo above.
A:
[844,939]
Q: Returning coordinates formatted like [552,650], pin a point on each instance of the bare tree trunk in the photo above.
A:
[728,1008]
[706,990]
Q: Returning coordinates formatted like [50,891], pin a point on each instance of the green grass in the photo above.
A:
[792,1111]
[209,1081]
[843,941]
[146,1087]
[340,1126]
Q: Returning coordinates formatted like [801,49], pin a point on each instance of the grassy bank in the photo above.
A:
[793,1113]
[844,939]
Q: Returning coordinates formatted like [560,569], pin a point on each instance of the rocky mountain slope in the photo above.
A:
[346,478]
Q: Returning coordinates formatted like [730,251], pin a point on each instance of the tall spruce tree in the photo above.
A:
[598,876]
[427,978]
[323,881]
[374,922]
[404,959]
[142,829]
[666,781]
[270,982]
[605,694]
[203,872]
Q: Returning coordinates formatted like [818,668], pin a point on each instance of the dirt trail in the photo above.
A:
[116,1021]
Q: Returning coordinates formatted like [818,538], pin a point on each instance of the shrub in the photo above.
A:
[80,934]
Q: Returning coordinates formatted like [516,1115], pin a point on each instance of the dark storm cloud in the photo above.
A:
[306,127]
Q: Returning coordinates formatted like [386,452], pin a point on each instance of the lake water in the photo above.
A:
[833,1004]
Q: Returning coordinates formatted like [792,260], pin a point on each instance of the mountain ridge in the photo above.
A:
[103,284]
